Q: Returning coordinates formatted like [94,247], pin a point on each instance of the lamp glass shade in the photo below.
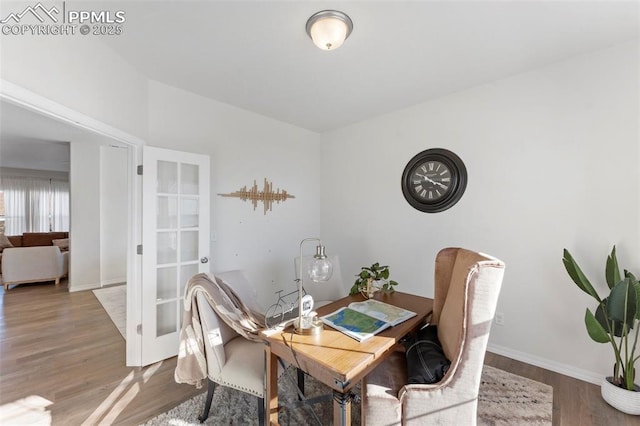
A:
[320,270]
[328,33]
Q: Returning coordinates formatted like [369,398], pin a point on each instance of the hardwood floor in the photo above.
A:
[63,347]
[62,362]
[574,402]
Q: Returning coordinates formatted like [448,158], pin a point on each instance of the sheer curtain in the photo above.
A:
[35,204]
[37,209]
[15,200]
[59,205]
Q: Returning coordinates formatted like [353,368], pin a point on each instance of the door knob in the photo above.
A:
[204,260]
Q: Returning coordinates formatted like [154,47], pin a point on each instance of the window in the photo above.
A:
[34,204]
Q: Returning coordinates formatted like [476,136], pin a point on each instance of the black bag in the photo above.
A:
[426,362]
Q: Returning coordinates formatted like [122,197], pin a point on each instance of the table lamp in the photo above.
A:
[320,269]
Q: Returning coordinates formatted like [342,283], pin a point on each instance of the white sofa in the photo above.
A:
[33,264]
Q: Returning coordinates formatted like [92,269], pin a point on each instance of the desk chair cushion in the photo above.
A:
[244,369]
[382,388]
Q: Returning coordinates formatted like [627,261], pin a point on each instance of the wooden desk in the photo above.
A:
[336,359]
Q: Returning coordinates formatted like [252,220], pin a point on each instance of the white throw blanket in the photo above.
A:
[191,366]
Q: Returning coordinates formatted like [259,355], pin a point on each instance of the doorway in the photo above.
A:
[85,132]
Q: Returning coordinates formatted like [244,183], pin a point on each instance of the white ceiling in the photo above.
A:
[256,54]
[29,140]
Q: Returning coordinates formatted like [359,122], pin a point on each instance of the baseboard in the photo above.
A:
[83,287]
[112,281]
[567,370]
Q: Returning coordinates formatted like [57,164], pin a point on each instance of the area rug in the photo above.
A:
[114,302]
[505,400]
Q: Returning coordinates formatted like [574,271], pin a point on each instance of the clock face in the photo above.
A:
[431,180]
[434,180]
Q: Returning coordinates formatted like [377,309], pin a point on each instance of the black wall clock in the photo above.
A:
[434,180]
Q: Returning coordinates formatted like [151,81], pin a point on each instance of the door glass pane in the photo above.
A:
[186,272]
[167,212]
[167,246]
[166,318]
[167,177]
[166,283]
[189,179]
[188,246]
[189,213]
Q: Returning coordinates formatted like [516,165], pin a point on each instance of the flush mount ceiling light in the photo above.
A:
[329,29]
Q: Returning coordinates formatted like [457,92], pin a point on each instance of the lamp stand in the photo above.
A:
[306,325]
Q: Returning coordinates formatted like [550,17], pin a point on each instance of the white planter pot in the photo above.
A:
[621,399]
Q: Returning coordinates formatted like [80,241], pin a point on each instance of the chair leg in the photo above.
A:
[207,404]
[261,411]
[300,382]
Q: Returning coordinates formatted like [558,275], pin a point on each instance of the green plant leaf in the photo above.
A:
[612,271]
[355,288]
[622,303]
[376,272]
[636,285]
[595,330]
[607,322]
[578,276]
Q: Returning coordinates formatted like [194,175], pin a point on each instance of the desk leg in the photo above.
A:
[271,391]
[341,408]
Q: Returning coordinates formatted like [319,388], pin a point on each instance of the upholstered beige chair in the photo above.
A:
[232,360]
[467,285]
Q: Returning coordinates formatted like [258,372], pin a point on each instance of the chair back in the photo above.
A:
[237,280]
[216,333]
[467,285]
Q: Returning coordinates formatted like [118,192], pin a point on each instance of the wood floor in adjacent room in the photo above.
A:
[61,358]
[63,347]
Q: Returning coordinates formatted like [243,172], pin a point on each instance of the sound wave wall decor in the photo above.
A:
[266,195]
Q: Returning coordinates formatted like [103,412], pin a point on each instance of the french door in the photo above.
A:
[175,242]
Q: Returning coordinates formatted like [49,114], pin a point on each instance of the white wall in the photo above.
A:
[81,73]
[244,146]
[552,157]
[113,215]
[84,233]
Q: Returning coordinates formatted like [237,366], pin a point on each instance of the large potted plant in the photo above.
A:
[371,279]
[615,321]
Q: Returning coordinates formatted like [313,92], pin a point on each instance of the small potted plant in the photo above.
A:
[371,279]
[615,321]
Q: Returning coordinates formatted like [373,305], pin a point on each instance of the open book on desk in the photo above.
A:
[363,320]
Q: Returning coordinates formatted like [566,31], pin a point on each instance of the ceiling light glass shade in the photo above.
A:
[329,29]
[320,269]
